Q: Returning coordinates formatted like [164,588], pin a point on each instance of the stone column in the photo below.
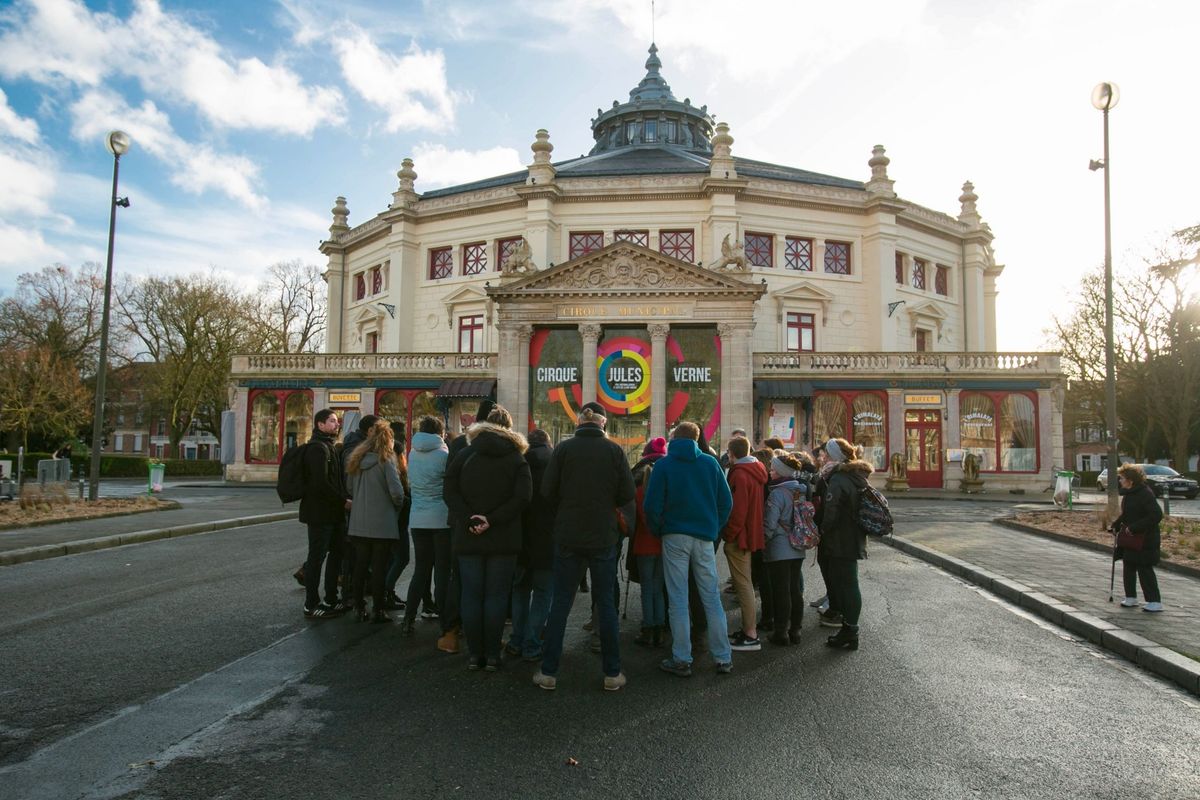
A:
[590,332]
[895,420]
[737,377]
[524,333]
[241,405]
[953,427]
[658,378]
[508,372]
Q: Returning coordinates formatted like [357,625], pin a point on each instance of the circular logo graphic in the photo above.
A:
[623,375]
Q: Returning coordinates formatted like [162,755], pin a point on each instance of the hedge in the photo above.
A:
[112,466]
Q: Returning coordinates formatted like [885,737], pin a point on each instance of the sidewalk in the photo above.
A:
[1047,576]
[201,507]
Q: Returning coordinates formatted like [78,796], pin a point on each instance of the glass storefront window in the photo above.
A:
[828,418]
[868,419]
[977,428]
[264,428]
[694,380]
[298,419]
[555,380]
[1018,434]
[1000,428]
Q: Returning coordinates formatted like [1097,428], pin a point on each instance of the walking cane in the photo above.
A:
[1112,579]
[625,611]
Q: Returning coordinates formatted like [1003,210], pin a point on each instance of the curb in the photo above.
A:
[1142,651]
[167,505]
[40,552]
[1169,566]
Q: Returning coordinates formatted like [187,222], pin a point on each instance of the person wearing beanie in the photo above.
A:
[784,562]
[843,541]
[589,481]
[689,519]
[743,534]
[646,552]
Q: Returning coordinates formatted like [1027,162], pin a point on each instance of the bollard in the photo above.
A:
[1166,502]
[82,483]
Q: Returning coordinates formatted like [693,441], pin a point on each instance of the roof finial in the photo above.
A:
[341,216]
[969,214]
[880,183]
[541,166]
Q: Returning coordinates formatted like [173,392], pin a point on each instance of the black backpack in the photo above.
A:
[289,483]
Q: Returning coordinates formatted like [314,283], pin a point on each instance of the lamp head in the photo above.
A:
[117,143]
[1106,96]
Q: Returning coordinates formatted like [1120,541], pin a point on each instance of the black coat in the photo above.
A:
[589,478]
[841,535]
[538,550]
[491,477]
[325,494]
[1141,512]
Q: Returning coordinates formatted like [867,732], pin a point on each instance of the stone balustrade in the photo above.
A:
[1048,364]
[339,364]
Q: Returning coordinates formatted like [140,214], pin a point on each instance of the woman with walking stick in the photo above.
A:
[1137,543]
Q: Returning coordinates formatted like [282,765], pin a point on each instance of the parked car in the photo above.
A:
[1162,480]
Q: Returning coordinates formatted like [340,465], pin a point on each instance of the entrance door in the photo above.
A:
[923,448]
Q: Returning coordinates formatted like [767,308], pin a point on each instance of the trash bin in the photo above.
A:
[157,471]
[1062,489]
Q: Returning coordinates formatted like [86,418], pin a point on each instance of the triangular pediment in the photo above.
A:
[467,294]
[803,291]
[928,310]
[368,313]
[623,267]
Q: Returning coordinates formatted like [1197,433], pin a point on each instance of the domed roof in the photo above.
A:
[653,116]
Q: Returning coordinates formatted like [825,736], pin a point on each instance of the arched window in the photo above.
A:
[828,417]
[297,419]
[1001,429]
[1018,434]
[264,428]
[869,419]
[279,419]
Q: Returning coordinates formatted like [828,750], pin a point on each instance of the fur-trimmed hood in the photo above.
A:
[493,439]
[857,465]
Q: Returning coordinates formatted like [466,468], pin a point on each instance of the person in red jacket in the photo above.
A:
[743,535]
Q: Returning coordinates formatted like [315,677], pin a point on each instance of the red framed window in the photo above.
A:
[504,249]
[922,341]
[941,280]
[474,258]
[376,280]
[636,237]
[678,244]
[797,254]
[900,268]
[918,274]
[372,343]
[585,242]
[470,334]
[360,286]
[758,249]
[860,416]
[1001,428]
[441,263]
[278,419]
[801,332]
[837,258]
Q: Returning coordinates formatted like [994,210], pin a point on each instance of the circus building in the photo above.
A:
[670,279]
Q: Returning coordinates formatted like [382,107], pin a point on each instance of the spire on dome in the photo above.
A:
[652,87]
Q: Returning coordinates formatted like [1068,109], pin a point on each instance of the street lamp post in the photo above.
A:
[1105,97]
[117,143]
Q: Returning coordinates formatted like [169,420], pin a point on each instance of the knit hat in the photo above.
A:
[782,469]
[656,446]
[834,451]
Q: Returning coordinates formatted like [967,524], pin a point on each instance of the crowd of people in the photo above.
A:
[505,526]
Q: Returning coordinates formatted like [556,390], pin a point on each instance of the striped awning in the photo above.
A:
[467,387]
[786,389]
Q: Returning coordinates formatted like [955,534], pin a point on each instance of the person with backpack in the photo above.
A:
[428,519]
[743,535]
[646,549]
[378,488]
[533,582]
[843,539]
[323,510]
[784,560]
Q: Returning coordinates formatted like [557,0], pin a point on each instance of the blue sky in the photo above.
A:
[248,119]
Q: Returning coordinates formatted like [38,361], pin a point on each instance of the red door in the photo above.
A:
[923,448]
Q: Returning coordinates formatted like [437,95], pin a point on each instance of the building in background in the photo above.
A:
[670,279]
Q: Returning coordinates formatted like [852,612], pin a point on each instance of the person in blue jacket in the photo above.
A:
[687,503]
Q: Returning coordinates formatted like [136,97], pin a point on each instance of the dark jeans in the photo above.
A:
[844,594]
[532,592]
[762,580]
[1149,580]
[486,581]
[432,549]
[823,563]
[325,538]
[373,553]
[568,564]
[448,611]
[787,593]
[398,562]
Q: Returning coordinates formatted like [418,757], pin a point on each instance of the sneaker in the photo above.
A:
[429,612]
[547,682]
[614,683]
[393,602]
[299,576]
[1130,602]
[831,619]
[343,605]
[1152,607]
[680,668]
[820,601]
[448,641]
[323,611]
[532,658]
[492,665]
[725,668]
[512,649]
[740,641]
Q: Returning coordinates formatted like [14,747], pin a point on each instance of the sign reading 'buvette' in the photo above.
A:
[626,310]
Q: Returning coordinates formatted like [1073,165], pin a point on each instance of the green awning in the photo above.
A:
[785,389]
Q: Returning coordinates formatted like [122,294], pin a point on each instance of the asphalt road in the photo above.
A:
[183,669]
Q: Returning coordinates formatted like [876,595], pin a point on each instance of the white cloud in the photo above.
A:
[439,166]
[412,89]
[24,249]
[14,125]
[195,167]
[56,41]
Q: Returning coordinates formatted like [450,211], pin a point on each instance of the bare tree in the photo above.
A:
[189,329]
[41,393]
[293,308]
